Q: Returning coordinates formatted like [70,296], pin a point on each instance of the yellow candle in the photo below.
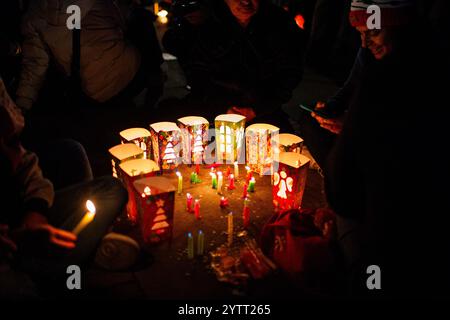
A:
[230,229]
[180,182]
[219,182]
[236,170]
[88,217]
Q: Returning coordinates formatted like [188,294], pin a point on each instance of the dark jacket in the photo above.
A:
[227,65]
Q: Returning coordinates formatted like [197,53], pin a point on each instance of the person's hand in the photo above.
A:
[333,125]
[37,234]
[7,246]
[248,113]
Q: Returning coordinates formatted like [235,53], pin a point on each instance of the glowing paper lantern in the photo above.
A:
[290,143]
[229,137]
[131,171]
[166,141]
[156,202]
[122,153]
[140,137]
[289,181]
[261,147]
[195,138]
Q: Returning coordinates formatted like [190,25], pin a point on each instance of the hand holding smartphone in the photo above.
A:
[321,113]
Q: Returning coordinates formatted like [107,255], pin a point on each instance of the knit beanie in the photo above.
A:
[393,12]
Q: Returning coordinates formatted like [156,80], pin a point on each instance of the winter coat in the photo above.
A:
[108,62]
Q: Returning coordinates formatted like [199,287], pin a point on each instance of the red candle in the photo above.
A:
[197,169]
[189,202]
[249,174]
[227,173]
[244,195]
[246,213]
[197,209]
[223,202]
[231,185]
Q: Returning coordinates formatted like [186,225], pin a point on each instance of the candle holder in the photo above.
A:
[131,171]
[156,203]
[140,137]
[261,147]
[122,153]
[229,138]
[166,141]
[290,143]
[289,181]
[194,131]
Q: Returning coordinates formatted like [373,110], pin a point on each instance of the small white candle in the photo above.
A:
[236,170]
[88,217]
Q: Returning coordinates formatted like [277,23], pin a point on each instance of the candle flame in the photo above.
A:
[178,174]
[231,176]
[90,206]
[147,191]
[253,179]
[163,13]
[247,168]
[219,173]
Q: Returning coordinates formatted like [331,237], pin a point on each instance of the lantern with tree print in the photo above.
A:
[289,181]
[261,147]
[166,141]
[230,138]
[194,131]
[290,143]
[140,137]
[131,171]
[156,203]
[122,153]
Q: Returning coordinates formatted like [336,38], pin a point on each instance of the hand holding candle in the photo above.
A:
[88,217]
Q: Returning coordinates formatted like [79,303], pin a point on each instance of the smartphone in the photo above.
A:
[322,113]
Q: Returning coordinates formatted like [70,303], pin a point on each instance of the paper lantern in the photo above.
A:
[140,137]
[122,153]
[156,202]
[194,131]
[290,143]
[289,181]
[131,171]
[229,137]
[261,147]
[166,141]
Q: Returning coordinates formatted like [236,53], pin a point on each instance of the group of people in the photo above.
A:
[376,139]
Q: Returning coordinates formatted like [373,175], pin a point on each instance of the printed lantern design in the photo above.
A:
[261,147]
[131,171]
[156,202]
[140,137]
[289,181]
[194,131]
[290,143]
[166,140]
[229,137]
[122,153]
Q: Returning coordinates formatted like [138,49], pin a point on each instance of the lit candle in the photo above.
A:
[88,217]
[249,173]
[231,185]
[220,182]
[214,180]
[193,179]
[244,194]
[180,182]
[156,7]
[197,169]
[236,170]
[197,209]
[190,246]
[200,243]
[230,228]
[189,202]
[223,202]
[246,213]
[251,185]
